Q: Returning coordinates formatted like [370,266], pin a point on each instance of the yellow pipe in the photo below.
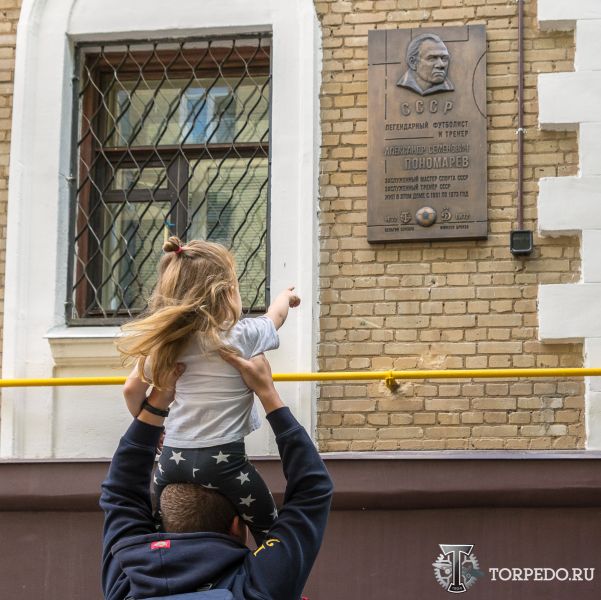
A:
[436,374]
[60,381]
[341,376]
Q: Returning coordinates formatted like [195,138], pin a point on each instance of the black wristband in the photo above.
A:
[159,412]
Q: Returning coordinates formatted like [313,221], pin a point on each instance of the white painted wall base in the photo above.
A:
[558,14]
[45,422]
[572,205]
[567,204]
[589,144]
[569,312]
[592,349]
[567,99]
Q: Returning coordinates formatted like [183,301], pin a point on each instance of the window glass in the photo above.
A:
[178,112]
[130,253]
[227,202]
[148,178]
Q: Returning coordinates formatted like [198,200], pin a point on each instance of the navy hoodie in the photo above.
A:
[140,563]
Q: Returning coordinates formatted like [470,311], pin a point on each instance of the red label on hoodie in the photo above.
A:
[160,544]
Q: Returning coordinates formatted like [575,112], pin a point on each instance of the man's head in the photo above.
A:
[429,58]
[191,508]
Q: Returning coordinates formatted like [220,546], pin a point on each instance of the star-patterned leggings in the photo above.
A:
[226,469]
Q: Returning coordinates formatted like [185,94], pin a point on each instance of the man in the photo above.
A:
[428,60]
[207,550]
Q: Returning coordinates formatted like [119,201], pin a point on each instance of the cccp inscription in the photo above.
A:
[427,134]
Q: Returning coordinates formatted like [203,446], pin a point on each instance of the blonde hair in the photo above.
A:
[194,294]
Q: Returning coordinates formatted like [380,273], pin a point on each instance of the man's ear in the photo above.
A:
[235,526]
[238,529]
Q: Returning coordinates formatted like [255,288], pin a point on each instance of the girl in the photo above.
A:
[194,314]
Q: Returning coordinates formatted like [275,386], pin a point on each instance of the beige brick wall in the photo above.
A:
[441,304]
[426,305]
[9,16]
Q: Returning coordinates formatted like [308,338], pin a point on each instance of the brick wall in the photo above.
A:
[9,16]
[424,305]
[436,305]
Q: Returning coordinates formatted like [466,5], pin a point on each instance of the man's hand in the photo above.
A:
[256,373]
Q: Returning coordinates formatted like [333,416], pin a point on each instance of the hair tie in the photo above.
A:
[179,250]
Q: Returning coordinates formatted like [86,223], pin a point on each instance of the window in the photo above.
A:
[173,140]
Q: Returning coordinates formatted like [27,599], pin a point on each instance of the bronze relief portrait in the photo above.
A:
[428,60]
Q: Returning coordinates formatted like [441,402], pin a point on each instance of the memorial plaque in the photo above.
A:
[427,134]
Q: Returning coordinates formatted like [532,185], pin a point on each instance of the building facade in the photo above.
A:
[247,123]
[426,305]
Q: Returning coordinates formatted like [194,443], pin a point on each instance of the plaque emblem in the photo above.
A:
[405,217]
[426,216]
[446,214]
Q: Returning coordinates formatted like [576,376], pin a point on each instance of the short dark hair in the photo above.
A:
[191,508]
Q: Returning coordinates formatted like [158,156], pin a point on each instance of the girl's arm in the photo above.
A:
[278,309]
[134,392]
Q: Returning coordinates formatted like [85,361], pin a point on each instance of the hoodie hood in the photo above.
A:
[163,564]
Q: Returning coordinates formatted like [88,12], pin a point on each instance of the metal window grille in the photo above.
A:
[173,139]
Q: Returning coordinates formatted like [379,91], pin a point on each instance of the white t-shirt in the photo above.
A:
[212,404]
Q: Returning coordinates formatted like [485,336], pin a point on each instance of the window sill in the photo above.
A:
[83,345]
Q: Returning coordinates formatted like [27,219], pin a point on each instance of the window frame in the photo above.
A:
[175,158]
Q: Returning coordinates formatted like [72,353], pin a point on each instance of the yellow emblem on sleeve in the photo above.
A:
[269,543]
